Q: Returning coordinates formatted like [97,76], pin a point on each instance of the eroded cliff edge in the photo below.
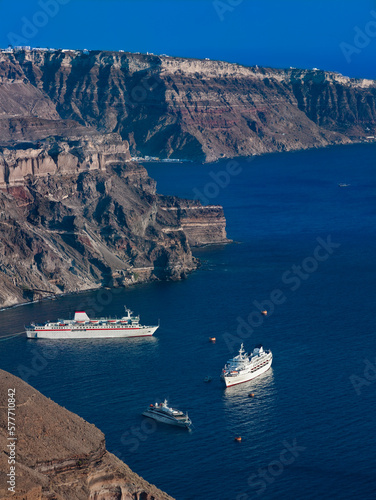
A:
[76,214]
[186,108]
[59,455]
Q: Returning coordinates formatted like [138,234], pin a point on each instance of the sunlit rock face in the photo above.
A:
[189,108]
[77,215]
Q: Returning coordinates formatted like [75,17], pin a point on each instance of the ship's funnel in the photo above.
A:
[81,316]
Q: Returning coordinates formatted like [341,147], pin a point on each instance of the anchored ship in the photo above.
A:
[245,367]
[163,413]
[82,327]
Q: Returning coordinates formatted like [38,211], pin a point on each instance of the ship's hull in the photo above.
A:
[165,419]
[246,377]
[91,333]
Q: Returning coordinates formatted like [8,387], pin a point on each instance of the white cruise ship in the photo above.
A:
[163,413]
[82,327]
[245,367]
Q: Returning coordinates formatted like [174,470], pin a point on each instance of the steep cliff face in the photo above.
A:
[75,212]
[26,112]
[64,156]
[203,225]
[76,215]
[199,109]
[59,455]
[336,103]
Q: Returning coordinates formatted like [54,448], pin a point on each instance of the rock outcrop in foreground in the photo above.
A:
[59,455]
[182,108]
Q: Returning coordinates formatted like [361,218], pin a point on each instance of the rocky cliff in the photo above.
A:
[189,108]
[61,156]
[58,455]
[75,214]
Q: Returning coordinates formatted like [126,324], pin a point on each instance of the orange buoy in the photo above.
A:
[264,313]
[238,439]
[212,339]
[251,395]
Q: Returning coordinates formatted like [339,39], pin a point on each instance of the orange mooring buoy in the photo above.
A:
[251,395]
[212,339]
[238,439]
[264,313]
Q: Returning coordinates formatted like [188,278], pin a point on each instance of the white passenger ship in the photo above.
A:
[163,413]
[82,327]
[245,367]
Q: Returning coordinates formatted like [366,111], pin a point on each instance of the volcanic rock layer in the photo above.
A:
[186,108]
[75,214]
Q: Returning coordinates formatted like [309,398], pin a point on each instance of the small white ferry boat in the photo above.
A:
[245,367]
[82,327]
[163,413]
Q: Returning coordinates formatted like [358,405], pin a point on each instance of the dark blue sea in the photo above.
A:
[309,430]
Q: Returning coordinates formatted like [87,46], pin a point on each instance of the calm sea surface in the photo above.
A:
[309,432]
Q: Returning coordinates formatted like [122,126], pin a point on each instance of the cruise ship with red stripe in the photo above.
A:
[245,367]
[83,327]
